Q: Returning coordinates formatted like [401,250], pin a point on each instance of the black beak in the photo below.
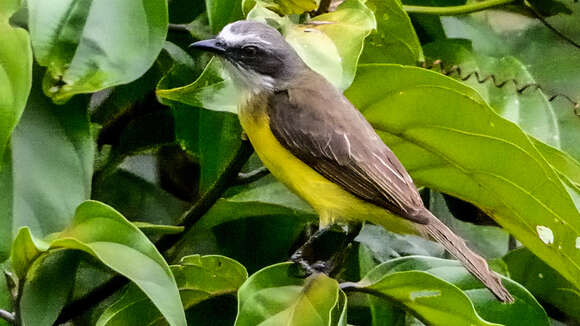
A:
[211,45]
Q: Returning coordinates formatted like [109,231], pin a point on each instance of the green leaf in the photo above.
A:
[273,296]
[52,163]
[15,73]
[199,278]
[84,55]
[550,7]
[385,245]
[442,292]
[219,139]
[382,312]
[394,40]
[25,251]
[543,281]
[488,241]
[530,110]
[211,90]
[269,199]
[47,288]
[222,12]
[554,63]
[102,232]
[139,200]
[449,139]
[240,225]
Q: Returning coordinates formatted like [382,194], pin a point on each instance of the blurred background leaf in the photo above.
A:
[51,165]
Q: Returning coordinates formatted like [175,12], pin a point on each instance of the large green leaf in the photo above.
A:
[554,63]
[442,292]
[531,109]
[395,40]
[199,278]
[273,296]
[102,232]
[84,54]
[15,73]
[543,281]
[451,140]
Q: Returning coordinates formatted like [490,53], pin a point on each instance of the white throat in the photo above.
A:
[249,81]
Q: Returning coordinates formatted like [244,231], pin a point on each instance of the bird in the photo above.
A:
[313,140]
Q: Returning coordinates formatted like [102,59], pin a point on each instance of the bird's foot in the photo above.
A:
[325,250]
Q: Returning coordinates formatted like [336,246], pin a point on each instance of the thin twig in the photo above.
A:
[7,316]
[249,177]
[456,10]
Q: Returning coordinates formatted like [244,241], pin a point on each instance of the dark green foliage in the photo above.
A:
[128,195]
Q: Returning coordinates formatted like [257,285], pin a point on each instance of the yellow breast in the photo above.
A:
[329,200]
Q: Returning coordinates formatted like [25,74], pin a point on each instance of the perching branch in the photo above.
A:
[456,10]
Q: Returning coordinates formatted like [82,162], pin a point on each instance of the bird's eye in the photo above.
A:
[250,50]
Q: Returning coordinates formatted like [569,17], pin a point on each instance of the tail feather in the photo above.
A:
[472,261]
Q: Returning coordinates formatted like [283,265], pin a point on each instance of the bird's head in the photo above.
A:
[255,55]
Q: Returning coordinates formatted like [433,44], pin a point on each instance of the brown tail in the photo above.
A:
[472,261]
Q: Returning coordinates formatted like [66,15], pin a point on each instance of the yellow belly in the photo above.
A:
[329,200]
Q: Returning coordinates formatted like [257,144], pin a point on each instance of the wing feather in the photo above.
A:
[324,130]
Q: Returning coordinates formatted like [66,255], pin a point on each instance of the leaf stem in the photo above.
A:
[456,10]
[7,316]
